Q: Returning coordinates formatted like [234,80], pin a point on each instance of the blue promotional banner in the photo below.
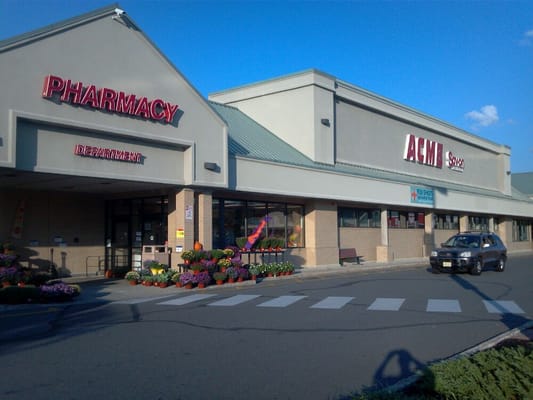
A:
[421,195]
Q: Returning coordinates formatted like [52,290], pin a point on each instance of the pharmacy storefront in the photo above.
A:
[101,143]
[105,163]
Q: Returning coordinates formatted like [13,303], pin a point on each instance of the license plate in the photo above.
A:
[447,264]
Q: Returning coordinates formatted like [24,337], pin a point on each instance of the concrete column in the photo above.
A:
[491,224]
[463,223]
[429,236]
[383,252]
[205,219]
[321,233]
[180,223]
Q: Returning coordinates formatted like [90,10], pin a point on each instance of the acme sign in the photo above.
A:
[429,152]
[108,99]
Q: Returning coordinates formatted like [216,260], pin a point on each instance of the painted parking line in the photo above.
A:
[281,301]
[180,301]
[333,302]
[502,307]
[442,305]
[234,300]
[386,304]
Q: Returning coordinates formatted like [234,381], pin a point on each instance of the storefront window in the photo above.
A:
[358,217]
[478,224]
[295,233]
[235,219]
[406,219]
[446,221]
[521,230]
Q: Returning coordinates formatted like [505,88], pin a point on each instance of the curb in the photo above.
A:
[488,344]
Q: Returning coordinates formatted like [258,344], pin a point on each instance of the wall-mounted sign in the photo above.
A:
[429,152]
[421,195]
[423,151]
[108,154]
[455,163]
[108,99]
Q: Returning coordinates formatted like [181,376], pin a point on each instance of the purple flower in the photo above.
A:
[57,290]
[186,278]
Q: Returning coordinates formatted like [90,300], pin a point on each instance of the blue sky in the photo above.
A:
[469,63]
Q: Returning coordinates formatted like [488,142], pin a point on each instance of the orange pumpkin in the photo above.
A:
[198,246]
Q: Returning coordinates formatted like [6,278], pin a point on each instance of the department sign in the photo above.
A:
[421,195]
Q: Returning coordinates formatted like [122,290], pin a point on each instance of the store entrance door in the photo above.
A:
[132,223]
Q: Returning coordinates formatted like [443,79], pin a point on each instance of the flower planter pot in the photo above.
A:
[231,280]
[254,277]
[201,285]
[178,284]
[240,279]
[220,282]
[188,286]
[133,283]
[163,285]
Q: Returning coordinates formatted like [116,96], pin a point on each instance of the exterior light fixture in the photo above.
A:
[211,166]
[325,121]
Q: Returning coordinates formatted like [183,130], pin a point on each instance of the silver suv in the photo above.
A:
[471,252]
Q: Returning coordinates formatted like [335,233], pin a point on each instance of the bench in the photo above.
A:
[349,254]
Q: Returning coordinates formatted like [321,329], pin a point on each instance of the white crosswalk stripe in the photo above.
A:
[180,301]
[234,300]
[281,301]
[333,302]
[386,304]
[502,307]
[441,305]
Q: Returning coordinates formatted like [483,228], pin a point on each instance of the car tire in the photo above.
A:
[477,268]
[500,267]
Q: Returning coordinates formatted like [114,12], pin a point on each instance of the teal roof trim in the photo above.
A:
[523,181]
[249,139]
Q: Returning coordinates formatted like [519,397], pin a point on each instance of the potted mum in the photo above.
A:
[232,274]
[219,277]
[186,279]
[175,278]
[202,279]
[133,277]
[187,256]
[242,274]
[223,264]
[254,271]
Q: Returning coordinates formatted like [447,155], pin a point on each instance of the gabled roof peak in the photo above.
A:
[62,25]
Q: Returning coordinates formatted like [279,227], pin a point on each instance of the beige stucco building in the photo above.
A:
[106,151]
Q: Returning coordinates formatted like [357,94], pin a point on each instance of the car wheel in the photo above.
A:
[477,268]
[501,265]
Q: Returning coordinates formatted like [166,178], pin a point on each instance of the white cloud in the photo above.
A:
[527,38]
[486,116]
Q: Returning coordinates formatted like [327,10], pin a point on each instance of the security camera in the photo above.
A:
[119,12]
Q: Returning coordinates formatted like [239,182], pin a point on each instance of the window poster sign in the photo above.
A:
[421,195]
